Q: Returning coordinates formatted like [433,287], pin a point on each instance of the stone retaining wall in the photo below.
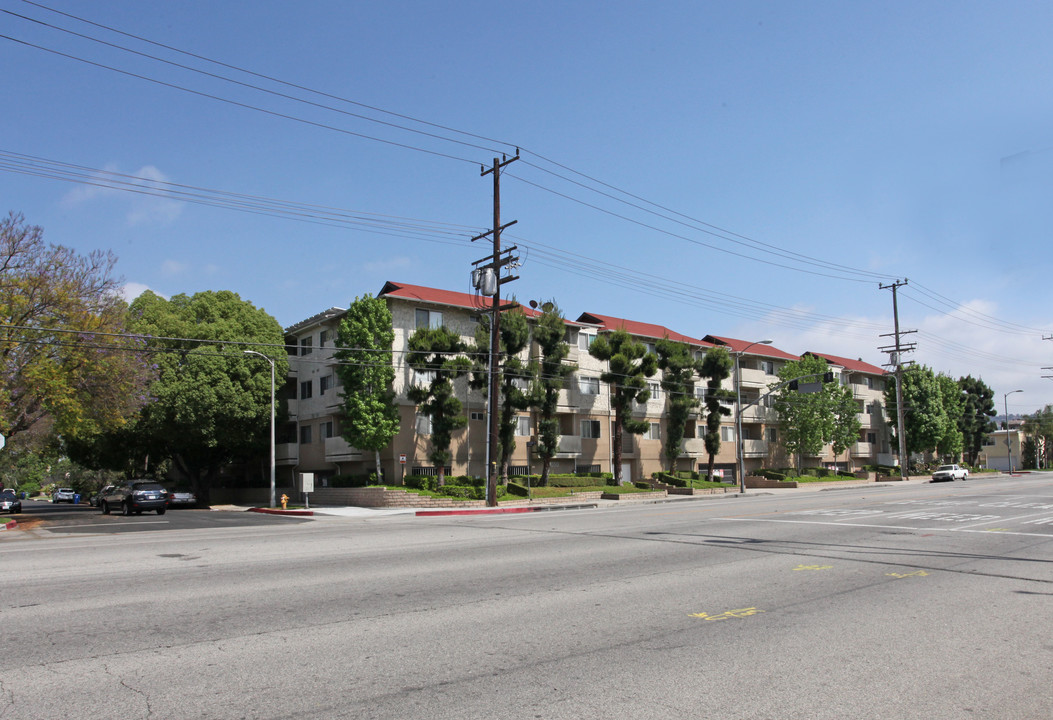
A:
[379,497]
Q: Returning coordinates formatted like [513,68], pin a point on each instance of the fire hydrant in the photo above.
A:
[285,499]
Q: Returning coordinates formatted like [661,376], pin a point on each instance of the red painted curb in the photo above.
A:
[276,511]
[9,525]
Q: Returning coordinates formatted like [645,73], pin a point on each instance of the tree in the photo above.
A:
[716,368]
[806,419]
[370,417]
[1039,426]
[846,423]
[628,364]
[550,333]
[66,368]
[513,378]
[212,402]
[977,417]
[437,355]
[678,365]
[951,438]
[928,424]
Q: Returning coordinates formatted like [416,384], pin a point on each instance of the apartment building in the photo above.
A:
[867,383]
[311,440]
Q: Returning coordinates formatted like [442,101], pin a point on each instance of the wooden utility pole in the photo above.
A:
[896,351]
[495,262]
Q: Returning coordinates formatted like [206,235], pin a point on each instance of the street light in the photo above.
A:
[738,412]
[271,361]
[1008,442]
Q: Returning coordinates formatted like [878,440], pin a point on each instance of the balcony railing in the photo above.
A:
[286,453]
[754,448]
[692,446]
[569,445]
[337,449]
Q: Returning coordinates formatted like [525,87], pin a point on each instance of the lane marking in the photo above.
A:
[744,612]
[917,573]
[813,567]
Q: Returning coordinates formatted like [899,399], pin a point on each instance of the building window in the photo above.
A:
[523,425]
[305,345]
[773,435]
[649,347]
[475,415]
[589,385]
[325,430]
[429,319]
[305,434]
[768,366]
[571,337]
[654,431]
[324,383]
[423,424]
[585,339]
[727,434]
[323,336]
[306,390]
[590,429]
[423,378]
[655,389]
[871,437]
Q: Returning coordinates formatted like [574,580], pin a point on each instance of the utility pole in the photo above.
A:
[494,263]
[896,360]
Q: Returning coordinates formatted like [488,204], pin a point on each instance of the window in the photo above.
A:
[590,429]
[429,319]
[586,338]
[773,435]
[305,346]
[727,434]
[589,385]
[423,424]
[324,383]
[323,337]
[656,390]
[523,425]
[325,430]
[305,434]
[649,347]
[571,337]
[305,390]
[871,437]
[654,432]
[423,377]
[477,415]
[768,366]
[700,392]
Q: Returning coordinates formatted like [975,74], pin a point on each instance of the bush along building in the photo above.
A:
[312,440]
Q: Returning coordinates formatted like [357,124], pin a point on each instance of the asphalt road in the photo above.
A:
[924,601]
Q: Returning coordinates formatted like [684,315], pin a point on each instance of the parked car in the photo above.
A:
[950,472]
[182,498]
[134,497]
[9,502]
[63,495]
[96,498]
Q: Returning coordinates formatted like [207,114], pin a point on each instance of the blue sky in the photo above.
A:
[749,169]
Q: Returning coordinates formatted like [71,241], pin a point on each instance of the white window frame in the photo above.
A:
[594,429]
[432,319]
[654,431]
[422,424]
[585,339]
[727,433]
[523,426]
[588,385]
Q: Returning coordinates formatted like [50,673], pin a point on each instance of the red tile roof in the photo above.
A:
[755,348]
[420,293]
[850,364]
[639,329]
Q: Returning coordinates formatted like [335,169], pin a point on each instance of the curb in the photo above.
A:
[275,511]
[9,525]
[500,511]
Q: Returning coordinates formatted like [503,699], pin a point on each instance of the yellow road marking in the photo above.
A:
[744,612]
[813,567]
[917,573]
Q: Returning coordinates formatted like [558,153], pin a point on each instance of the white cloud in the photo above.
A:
[142,209]
[132,290]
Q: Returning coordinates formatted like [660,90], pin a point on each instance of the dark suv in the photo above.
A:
[134,497]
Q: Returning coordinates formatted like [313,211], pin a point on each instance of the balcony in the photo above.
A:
[759,413]
[863,449]
[692,447]
[338,449]
[754,448]
[756,378]
[286,453]
[569,446]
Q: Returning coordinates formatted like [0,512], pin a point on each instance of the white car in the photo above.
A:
[950,472]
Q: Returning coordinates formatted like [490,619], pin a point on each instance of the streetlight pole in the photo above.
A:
[1008,442]
[738,413]
[271,361]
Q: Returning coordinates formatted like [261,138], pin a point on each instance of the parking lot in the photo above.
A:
[40,515]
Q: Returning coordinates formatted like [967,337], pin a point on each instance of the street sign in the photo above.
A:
[402,458]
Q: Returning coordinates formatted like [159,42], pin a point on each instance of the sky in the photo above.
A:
[756,170]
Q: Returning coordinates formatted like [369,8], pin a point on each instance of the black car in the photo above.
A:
[9,502]
[134,497]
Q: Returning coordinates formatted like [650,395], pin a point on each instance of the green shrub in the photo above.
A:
[642,486]
[360,480]
[421,482]
[517,489]
[464,492]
